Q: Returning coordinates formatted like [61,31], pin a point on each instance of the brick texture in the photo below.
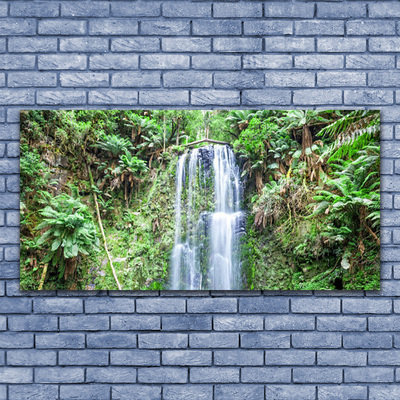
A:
[199,54]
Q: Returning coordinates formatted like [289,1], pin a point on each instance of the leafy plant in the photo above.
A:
[70,232]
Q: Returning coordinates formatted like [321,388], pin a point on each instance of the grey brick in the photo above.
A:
[64,97]
[109,96]
[13,150]
[83,357]
[341,323]
[165,28]
[19,26]
[88,45]
[187,323]
[137,9]
[33,392]
[61,27]
[264,305]
[342,358]
[31,357]
[217,27]
[186,10]
[193,45]
[111,375]
[212,305]
[368,374]
[365,27]
[341,45]
[113,61]
[16,375]
[32,79]
[382,392]
[370,61]
[59,375]
[187,79]
[135,357]
[214,340]
[317,97]
[61,61]
[3,9]
[319,61]
[241,323]
[83,79]
[31,45]
[290,357]
[3,326]
[238,357]
[232,10]
[179,98]
[319,340]
[164,61]
[85,9]
[110,26]
[57,306]
[264,340]
[318,27]
[381,78]
[9,202]
[216,62]
[17,61]
[98,392]
[13,181]
[289,44]
[179,392]
[237,45]
[387,44]
[111,340]
[342,78]
[10,270]
[317,375]
[344,10]
[162,375]
[345,392]
[32,323]
[135,322]
[387,169]
[84,322]
[290,392]
[289,79]
[135,44]
[368,97]
[214,375]
[36,9]
[136,392]
[109,305]
[275,97]
[326,306]
[16,340]
[266,375]
[217,97]
[163,340]
[18,306]
[386,323]
[242,392]
[186,357]
[384,357]
[269,27]
[289,323]
[288,10]
[384,10]
[367,341]
[367,306]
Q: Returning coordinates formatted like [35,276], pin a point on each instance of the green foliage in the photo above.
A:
[115,145]
[70,231]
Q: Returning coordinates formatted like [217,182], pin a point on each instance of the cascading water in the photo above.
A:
[208,221]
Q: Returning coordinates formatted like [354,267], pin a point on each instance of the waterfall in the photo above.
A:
[208,221]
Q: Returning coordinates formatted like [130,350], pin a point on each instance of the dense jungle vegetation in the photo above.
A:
[98,187]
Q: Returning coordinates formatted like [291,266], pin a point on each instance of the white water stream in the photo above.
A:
[208,221]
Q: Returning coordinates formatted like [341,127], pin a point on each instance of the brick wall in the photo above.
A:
[202,345]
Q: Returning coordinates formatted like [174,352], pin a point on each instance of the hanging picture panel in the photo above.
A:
[200,200]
